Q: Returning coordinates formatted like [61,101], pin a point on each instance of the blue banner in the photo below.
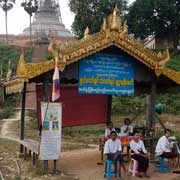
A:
[106,74]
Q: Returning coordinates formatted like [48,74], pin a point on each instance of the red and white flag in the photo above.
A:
[56,84]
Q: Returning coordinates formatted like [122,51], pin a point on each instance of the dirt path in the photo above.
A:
[83,165]
[5,132]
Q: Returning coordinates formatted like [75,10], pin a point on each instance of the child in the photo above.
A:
[108,130]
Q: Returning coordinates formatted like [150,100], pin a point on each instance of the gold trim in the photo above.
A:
[15,86]
[113,32]
[171,74]
[36,69]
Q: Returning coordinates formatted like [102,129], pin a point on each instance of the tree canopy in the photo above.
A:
[91,13]
[155,17]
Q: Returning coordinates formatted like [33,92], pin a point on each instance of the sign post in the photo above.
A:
[50,145]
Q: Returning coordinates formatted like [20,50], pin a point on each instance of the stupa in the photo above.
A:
[48,19]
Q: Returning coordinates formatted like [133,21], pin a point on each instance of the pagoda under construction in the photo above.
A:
[48,19]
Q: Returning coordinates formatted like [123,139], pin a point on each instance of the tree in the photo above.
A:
[30,6]
[91,13]
[155,17]
[7,5]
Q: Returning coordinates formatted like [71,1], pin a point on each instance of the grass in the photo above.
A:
[9,169]
[12,53]
[7,108]
[6,113]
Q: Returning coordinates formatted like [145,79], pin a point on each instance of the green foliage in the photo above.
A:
[139,18]
[12,100]
[82,134]
[91,13]
[158,17]
[129,105]
[6,113]
[49,57]
[174,62]
[12,53]
[171,102]
[125,105]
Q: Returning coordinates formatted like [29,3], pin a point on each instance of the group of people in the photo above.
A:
[113,149]
[126,129]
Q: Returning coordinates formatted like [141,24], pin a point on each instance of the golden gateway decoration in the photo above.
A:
[113,32]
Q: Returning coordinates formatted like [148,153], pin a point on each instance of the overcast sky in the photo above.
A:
[18,19]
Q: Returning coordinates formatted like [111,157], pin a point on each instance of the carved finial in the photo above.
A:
[115,20]
[52,48]
[159,55]
[166,56]
[124,31]
[86,32]
[21,68]
[116,7]
[104,26]
[163,59]
[125,26]
[9,71]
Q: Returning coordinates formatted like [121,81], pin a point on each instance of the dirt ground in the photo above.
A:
[79,164]
[83,163]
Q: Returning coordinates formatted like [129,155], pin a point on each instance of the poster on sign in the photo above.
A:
[50,144]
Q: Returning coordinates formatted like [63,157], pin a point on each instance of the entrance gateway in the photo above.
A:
[92,69]
[89,73]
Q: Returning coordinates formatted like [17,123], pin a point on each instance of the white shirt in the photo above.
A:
[163,145]
[137,147]
[123,130]
[108,131]
[112,146]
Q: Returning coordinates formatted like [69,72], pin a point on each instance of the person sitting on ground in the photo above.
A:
[108,130]
[139,153]
[127,129]
[163,147]
[112,149]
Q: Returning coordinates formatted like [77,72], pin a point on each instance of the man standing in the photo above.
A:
[163,147]
[112,149]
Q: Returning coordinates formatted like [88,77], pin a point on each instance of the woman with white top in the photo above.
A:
[127,128]
[139,153]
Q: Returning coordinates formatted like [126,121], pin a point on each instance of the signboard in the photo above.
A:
[106,74]
[50,145]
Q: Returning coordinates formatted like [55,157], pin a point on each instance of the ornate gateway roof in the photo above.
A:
[113,32]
